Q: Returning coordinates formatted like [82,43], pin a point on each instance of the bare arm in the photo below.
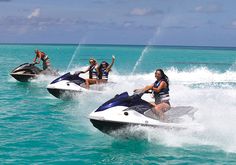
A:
[148,87]
[97,68]
[144,89]
[109,67]
[39,58]
[35,59]
[85,70]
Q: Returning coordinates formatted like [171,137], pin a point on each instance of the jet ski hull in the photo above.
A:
[62,93]
[25,72]
[23,77]
[108,126]
[66,86]
[125,112]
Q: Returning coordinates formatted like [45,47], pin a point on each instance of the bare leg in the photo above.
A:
[160,109]
[101,81]
[87,83]
[90,82]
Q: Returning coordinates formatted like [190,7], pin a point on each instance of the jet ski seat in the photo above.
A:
[151,114]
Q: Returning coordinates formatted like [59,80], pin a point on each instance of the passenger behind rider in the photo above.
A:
[160,90]
[104,69]
[93,73]
[42,56]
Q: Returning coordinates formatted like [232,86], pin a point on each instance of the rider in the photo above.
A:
[160,90]
[42,56]
[104,69]
[93,73]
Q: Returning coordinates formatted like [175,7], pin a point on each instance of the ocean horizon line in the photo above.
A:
[129,45]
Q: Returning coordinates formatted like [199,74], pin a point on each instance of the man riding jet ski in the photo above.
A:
[27,71]
[124,111]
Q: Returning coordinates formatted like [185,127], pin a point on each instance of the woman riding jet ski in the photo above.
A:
[69,84]
[98,74]
[124,110]
[160,90]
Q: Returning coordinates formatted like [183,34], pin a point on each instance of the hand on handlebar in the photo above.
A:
[138,91]
[77,72]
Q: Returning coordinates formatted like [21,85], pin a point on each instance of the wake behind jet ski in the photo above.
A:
[124,111]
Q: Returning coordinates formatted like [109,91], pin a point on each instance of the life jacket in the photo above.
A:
[93,72]
[104,74]
[44,57]
[163,95]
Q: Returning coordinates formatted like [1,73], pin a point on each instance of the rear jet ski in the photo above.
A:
[25,72]
[67,85]
[124,111]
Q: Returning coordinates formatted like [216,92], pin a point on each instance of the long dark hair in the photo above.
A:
[100,68]
[164,77]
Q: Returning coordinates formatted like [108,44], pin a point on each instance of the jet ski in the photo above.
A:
[124,111]
[68,85]
[25,72]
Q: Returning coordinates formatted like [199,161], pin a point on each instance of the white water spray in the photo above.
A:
[146,49]
[212,93]
[74,54]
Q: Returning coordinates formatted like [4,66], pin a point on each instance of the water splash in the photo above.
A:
[215,104]
[146,49]
[74,54]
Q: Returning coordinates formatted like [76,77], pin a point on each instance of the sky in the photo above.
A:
[131,22]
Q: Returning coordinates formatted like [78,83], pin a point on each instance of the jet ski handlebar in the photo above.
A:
[148,91]
[32,64]
[141,92]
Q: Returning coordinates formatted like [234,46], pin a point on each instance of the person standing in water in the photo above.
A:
[93,73]
[104,69]
[160,90]
[42,56]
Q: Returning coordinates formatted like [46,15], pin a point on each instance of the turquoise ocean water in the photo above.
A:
[37,128]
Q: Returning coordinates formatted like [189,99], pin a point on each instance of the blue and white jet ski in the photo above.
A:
[68,85]
[124,111]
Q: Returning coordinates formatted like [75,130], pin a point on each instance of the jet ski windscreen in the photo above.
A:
[74,78]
